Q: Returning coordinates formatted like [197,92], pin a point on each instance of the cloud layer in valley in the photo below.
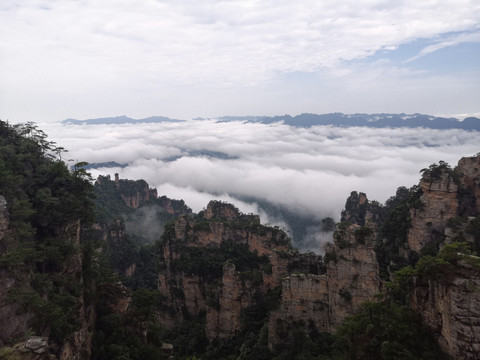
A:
[309,171]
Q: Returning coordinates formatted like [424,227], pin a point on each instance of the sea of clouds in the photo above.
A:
[310,171]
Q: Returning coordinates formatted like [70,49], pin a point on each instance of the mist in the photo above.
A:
[307,171]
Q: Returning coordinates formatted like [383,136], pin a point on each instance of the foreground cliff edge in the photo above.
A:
[130,275]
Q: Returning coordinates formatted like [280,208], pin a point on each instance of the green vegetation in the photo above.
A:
[394,230]
[207,262]
[385,330]
[48,204]
[362,233]
[435,172]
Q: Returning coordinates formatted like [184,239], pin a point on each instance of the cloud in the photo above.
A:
[443,42]
[87,59]
[310,171]
[184,42]
[306,172]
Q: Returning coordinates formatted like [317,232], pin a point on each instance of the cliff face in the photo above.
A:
[450,307]
[469,168]
[223,320]
[450,304]
[253,266]
[134,193]
[440,203]
[352,276]
[448,211]
[130,214]
[446,194]
[305,301]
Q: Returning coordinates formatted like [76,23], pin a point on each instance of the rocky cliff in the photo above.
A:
[450,307]
[469,168]
[322,302]
[217,262]
[439,203]
[442,209]
[450,303]
[131,214]
[318,294]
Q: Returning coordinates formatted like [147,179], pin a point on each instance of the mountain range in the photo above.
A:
[307,120]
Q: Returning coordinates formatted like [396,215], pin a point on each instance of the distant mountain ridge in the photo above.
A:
[364,120]
[383,120]
[119,120]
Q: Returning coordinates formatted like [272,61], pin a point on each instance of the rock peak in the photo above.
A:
[221,211]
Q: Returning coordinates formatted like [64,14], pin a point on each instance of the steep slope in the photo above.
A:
[322,302]
[131,215]
[217,262]
[44,211]
[373,239]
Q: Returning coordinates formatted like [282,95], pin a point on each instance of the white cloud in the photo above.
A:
[451,40]
[78,58]
[309,170]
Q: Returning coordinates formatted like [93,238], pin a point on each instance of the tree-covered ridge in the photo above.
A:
[133,217]
[49,206]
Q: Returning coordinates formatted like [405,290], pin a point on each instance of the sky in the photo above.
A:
[310,171]
[183,59]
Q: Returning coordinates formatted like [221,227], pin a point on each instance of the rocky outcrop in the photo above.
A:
[305,301]
[191,291]
[134,193]
[121,196]
[33,348]
[223,320]
[359,210]
[469,169]
[117,296]
[439,203]
[352,272]
[450,307]
[322,302]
